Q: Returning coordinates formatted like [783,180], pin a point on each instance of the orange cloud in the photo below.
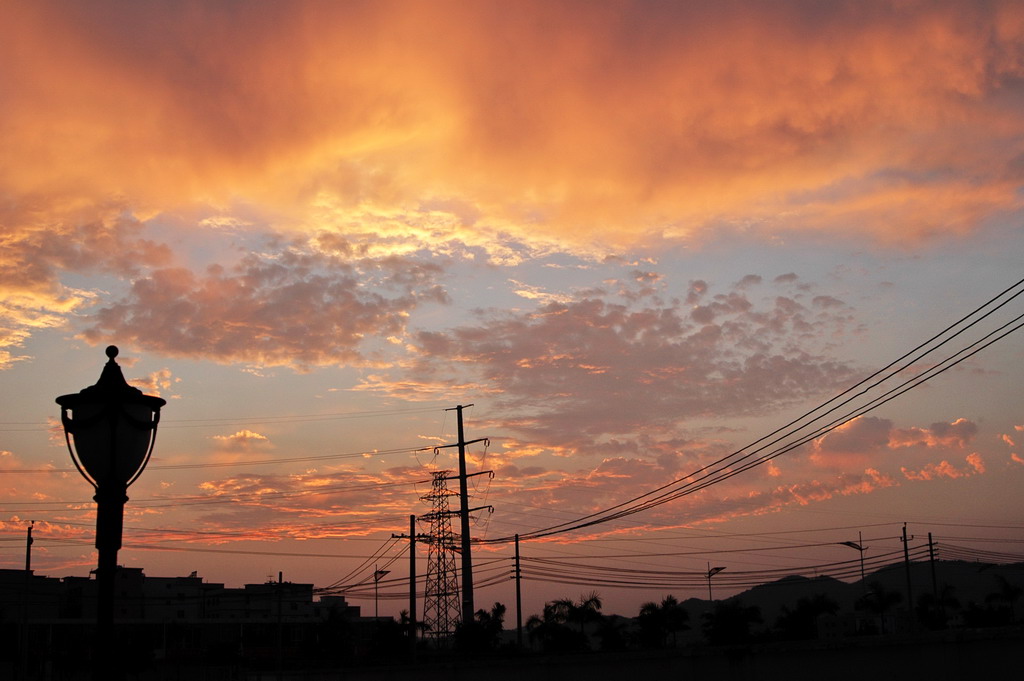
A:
[244,440]
[43,241]
[865,438]
[296,309]
[956,434]
[856,442]
[944,469]
[636,121]
[608,366]
[478,131]
[158,380]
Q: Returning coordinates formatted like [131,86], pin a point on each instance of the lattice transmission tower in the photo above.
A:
[441,602]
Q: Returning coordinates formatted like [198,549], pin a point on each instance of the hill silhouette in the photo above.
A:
[969,582]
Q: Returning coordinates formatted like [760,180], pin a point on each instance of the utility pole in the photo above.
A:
[519,598]
[412,584]
[280,627]
[931,561]
[906,563]
[464,509]
[28,548]
[412,536]
[26,592]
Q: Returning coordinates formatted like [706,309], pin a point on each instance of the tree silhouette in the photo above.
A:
[801,622]
[552,629]
[1008,594]
[659,621]
[879,601]
[730,623]
[933,610]
[612,633]
[484,632]
[587,609]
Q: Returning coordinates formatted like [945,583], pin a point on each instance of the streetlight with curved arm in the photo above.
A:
[859,546]
[110,429]
[712,571]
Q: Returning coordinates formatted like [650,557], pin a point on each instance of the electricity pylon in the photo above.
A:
[441,602]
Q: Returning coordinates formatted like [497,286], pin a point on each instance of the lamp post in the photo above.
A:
[110,429]
[712,571]
[859,545]
[377,575]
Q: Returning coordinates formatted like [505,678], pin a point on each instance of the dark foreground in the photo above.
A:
[964,654]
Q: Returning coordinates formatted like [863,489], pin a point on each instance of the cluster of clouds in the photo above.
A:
[356,501]
[478,130]
[636,121]
[298,309]
[634,357]
[370,145]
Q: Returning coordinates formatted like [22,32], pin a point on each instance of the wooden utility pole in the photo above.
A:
[412,585]
[412,579]
[28,548]
[280,627]
[519,598]
[906,563]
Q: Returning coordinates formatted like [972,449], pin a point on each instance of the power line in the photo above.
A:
[249,462]
[725,467]
[230,498]
[241,420]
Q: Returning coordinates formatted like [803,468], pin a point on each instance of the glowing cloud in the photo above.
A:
[944,469]
[864,439]
[291,309]
[244,440]
[639,122]
[606,367]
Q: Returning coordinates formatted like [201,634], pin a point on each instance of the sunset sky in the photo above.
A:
[636,236]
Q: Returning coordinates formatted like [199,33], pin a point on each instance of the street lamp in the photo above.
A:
[377,576]
[110,429]
[709,574]
[859,545]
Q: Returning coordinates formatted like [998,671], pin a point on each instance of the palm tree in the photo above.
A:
[801,622]
[730,622]
[933,609]
[659,620]
[484,632]
[552,627]
[1007,594]
[653,631]
[549,629]
[676,617]
[586,610]
[879,601]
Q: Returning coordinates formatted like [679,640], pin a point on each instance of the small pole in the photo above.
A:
[412,585]
[519,598]
[931,559]
[28,548]
[860,544]
[23,634]
[906,563]
[280,627]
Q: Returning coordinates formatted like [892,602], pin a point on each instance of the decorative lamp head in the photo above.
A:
[110,427]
